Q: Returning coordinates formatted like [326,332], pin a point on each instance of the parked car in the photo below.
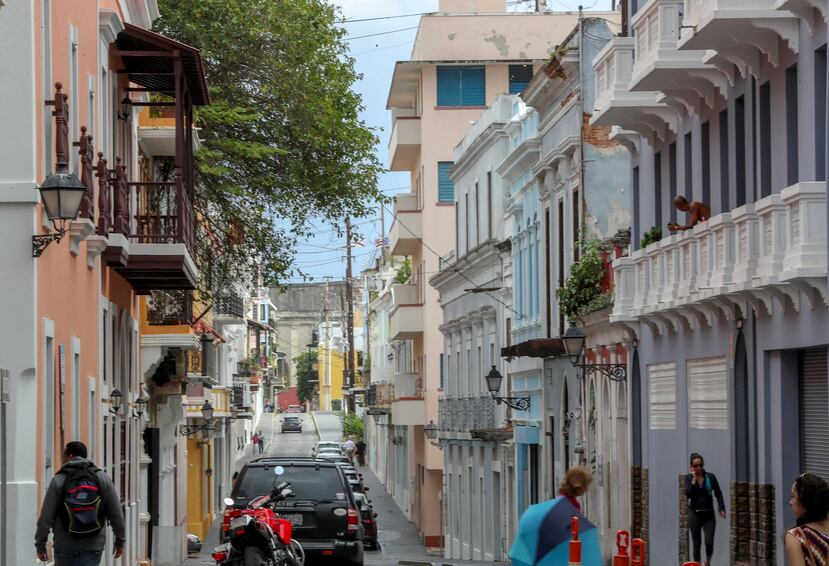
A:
[292,423]
[369,519]
[336,458]
[357,486]
[326,446]
[322,509]
[295,409]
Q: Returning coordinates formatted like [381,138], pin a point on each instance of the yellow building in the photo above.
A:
[331,358]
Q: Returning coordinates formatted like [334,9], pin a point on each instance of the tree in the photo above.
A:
[305,372]
[283,144]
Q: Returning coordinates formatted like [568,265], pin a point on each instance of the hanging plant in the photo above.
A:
[651,236]
[582,291]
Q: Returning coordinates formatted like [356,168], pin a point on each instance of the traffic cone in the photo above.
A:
[622,558]
[637,550]
[575,543]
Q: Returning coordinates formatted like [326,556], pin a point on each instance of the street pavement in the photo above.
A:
[400,542]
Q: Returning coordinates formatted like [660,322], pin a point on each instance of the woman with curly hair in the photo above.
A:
[807,544]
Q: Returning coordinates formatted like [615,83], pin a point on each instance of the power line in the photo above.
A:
[453,268]
[349,21]
[378,33]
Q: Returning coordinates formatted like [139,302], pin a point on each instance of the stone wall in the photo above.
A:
[684,546]
[639,506]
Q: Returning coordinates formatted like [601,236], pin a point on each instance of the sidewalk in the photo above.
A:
[399,538]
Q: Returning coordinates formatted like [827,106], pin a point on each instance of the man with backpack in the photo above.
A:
[80,500]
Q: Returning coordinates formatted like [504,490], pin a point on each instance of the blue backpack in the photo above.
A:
[81,501]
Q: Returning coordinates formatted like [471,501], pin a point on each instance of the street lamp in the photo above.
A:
[493,384]
[207,415]
[115,399]
[431,431]
[61,194]
[140,404]
[574,340]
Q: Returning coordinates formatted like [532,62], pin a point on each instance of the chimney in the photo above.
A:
[472,6]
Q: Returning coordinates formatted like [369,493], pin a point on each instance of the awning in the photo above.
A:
[151,63]
[536,348]
[201,327]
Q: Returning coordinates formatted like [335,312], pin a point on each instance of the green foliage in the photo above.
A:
[304,373]
[583,285]
[404,272]
[651,236]
[352,425]
[283,145]
[599,302]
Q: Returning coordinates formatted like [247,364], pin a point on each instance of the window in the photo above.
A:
[820,114]
[446,188]
[263,312]
[792,173]
[466,245]
[441,371]
[92,421]
[76,388]
[740,149]
[461,85]
[662,385]
[689,166]
[765,139]
[724,180]
[519,77]
[707,394]
[477,216]
[657,184]
[672,180]
[489,204]
[705,134]
[576,223]
[560,221]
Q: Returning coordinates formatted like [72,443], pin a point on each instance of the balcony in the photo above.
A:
[740,30]
[404,143]
[806,10]
[757,255]
[407,227]
[228,306]
[148,225]
[170,308]
[467,414]
[659,66]
[406,320]
[408,406]
[616,105]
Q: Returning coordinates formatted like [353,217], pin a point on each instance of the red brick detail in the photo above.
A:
[597,136]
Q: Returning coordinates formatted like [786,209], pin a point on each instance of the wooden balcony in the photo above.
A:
[149,224]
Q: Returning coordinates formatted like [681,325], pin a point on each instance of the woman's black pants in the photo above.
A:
[702,522]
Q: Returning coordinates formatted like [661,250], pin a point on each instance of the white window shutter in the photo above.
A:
[708,394]
[662,389]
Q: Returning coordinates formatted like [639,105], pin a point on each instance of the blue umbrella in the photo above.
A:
[543,537]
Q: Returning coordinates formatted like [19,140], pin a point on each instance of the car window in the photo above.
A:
[306,482]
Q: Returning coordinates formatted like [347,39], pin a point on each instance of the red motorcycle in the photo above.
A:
[257,536]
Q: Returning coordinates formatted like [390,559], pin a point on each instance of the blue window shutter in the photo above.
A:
[446,188]
[449,86]
[441,371]
[473,86]
[519,77]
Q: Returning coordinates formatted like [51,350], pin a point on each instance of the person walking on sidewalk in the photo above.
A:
[348,448]
[360,451]
[700,488]
[261,442]
[255,440]
[79,501]
[807,544]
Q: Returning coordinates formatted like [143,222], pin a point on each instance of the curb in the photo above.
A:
[316,428]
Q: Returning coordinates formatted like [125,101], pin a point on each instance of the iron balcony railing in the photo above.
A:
[229,304]
[465,414]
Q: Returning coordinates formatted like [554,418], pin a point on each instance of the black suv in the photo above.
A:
[323,509]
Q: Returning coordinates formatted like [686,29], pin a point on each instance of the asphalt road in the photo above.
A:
[399,539]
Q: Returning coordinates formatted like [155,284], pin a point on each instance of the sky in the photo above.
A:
[324,255]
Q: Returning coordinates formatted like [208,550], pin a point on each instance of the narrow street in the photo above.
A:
[400,543]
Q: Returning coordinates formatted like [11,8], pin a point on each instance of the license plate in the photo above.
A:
[238,522]
[294,518]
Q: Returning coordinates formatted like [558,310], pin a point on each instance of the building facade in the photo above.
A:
[726,107]
[457,68]
[476,442]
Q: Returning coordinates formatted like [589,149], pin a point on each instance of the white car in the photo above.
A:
[326,446]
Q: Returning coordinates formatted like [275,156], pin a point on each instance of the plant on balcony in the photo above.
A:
[282,137]
[404,272]
[582,291]
[651,236]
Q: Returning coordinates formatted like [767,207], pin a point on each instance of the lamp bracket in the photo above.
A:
[40,241]
[190,430]
[614,372]
[517,403]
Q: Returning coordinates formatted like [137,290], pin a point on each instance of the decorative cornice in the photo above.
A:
[109,25]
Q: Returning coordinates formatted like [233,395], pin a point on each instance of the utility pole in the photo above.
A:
[350,362]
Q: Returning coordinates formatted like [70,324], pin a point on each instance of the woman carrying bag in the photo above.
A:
[700,488]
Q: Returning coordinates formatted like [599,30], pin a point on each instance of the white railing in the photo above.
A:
[777,240]
[656,26]
[613,67]
[463,414]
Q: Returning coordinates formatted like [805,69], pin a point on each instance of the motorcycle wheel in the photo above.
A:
[254,557]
